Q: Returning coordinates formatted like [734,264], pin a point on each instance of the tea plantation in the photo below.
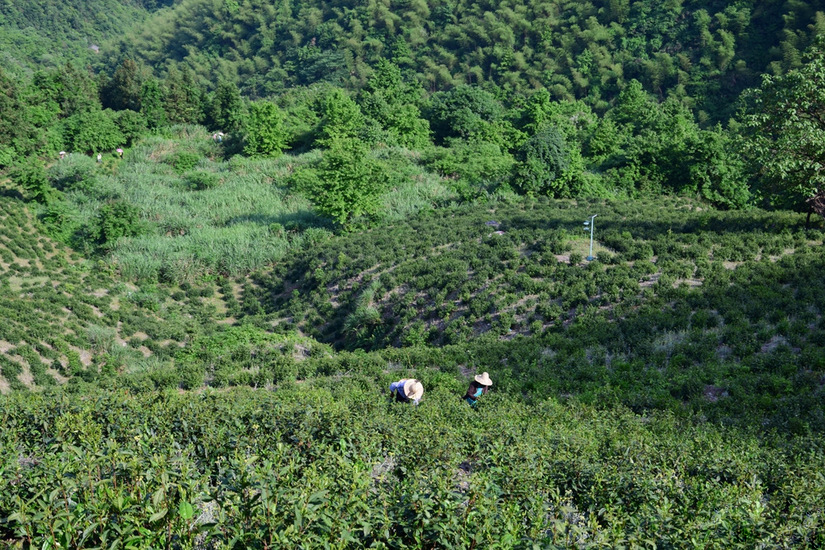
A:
[215,375]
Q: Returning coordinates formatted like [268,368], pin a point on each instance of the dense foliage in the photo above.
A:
[47,33]
[332,464]
[703,53]
[786,122]
[222,240]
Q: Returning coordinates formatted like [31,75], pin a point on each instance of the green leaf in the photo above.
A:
[186,510]
[158,515]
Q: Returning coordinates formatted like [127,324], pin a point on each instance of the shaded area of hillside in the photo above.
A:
[512,265]
[683,307]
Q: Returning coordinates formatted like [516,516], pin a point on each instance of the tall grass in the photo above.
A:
[411,187]
[234,227]
[206,214]
[232,250]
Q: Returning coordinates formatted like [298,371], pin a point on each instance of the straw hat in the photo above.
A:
[483,379]
[413,389]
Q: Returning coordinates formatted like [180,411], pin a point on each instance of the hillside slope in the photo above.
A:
[673,387]
[35,35]
[702,52]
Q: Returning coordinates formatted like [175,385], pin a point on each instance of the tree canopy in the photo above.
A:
[786,124]
[702,53]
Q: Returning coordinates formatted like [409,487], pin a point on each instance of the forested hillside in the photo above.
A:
[47,33]
[702,53]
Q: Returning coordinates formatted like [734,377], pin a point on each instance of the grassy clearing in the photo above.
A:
[200,214]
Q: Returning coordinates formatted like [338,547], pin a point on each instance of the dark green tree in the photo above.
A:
[183,98]
[468,112]
[544,159]
[125,89]
[785,123]
[226,109]
[151,104]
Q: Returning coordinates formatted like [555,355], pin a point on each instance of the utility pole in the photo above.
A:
[589,225]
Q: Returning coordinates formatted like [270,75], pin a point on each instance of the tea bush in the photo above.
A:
[333,460]
[664,392]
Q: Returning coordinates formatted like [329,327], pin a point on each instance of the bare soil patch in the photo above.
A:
[773,343]
[57,376]
[26,376]
[652,281]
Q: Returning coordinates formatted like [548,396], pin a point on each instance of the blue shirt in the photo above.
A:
[399,387]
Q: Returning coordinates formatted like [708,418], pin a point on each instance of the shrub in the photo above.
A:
[201,179]
[116,220]
[183,161]
[74,172]
[31,176]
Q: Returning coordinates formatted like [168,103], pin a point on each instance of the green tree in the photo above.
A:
[466,112]
[711,167]
[264,134]
[473,165]
[342,118]
[21,137]
[31,176]
[93,131]
[785,123]
[132,125]
[226,112]
[393,103]
[574,119]
[73,90]
[544,159]
[349,184]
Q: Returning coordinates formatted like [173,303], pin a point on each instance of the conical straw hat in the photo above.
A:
[413,389]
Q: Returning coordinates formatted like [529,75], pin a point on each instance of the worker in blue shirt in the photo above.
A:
[479,386]
[407,390]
